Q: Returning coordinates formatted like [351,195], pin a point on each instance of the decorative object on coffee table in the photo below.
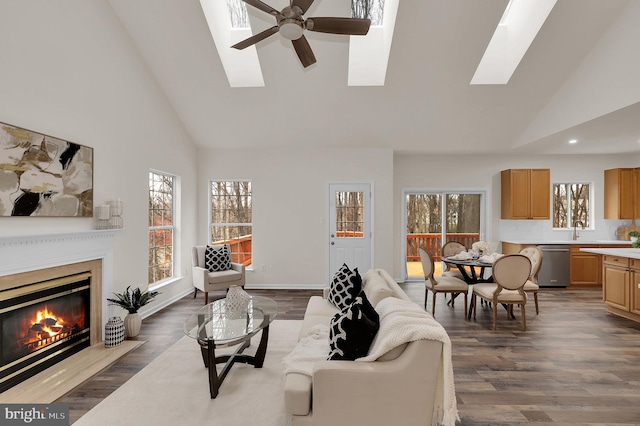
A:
[132,301]
[237,302]
[114,332]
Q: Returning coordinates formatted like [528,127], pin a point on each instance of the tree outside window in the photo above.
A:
[231,218]
[161,226]
[571,205]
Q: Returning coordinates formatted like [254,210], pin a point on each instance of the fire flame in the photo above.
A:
[42,316]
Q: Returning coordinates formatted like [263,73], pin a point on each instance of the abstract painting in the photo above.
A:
[44,176]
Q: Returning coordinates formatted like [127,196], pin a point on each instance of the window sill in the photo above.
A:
[164,283]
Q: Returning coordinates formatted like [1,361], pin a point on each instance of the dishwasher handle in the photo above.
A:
[555,250]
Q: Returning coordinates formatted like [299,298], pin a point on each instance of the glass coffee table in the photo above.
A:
[212,328]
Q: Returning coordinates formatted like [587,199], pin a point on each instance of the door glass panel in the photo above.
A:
[424,229]
[463,219]
[349,214]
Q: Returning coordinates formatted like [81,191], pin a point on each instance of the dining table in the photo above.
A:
[474,271]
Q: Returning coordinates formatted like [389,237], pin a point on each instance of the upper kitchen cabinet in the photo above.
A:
[526,194]
[621,198]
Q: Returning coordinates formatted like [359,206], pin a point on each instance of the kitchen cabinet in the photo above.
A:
[622,193]
[585,268]
[635,289]
[616,285]
[525,194]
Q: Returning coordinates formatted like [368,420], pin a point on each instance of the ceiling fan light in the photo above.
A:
[291,30]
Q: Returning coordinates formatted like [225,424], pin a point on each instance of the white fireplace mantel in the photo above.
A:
[24,253]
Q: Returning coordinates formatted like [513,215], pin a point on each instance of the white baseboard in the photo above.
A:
[285,286]
[158,307]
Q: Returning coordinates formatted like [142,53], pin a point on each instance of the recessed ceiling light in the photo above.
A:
[572,141]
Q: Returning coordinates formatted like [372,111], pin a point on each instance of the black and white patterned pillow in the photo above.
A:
[352,331]
[217,258]
[345,286]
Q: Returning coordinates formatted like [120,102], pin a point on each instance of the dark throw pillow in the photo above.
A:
[352,331]
[345,286]
[217,258]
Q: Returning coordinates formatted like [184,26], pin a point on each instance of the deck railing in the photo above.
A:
[432,242]
[241,249]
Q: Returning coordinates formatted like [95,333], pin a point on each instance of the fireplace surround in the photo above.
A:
[76,267]
[43,323]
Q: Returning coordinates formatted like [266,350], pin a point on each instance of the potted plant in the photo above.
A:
[132,300]
[633,235]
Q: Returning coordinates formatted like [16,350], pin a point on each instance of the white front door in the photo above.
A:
[350,227]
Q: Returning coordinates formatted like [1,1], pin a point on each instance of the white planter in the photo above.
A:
[132,324]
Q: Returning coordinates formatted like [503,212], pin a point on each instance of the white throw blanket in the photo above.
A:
[401,321]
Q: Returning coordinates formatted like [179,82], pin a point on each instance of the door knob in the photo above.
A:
[332,243]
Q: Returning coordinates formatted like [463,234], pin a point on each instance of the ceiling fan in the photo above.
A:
[291,25]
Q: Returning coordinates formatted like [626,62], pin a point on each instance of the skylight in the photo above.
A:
[520,23]
[369,55]
[241,66]
[372,9]
[238,14]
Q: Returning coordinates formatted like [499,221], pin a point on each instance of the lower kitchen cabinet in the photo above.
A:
[585,268]
[635,291]
[615,290]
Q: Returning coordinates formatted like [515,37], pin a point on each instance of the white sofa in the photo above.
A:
[397,388]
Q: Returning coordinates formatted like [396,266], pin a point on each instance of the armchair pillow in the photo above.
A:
[217,259]
[345,286]
[352,331]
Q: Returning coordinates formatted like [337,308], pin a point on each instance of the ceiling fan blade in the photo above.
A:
[262,6]
[351,26]
[256,38]
[302,4]
[303,49]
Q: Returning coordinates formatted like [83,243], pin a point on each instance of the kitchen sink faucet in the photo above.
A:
[575,225]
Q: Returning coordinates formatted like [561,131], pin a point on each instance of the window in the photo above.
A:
[349,214]
[231,216]
[571,205]
[161,226]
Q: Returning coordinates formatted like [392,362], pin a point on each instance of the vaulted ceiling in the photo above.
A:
[578,80]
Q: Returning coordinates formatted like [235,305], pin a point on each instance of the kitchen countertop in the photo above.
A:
[570,242]
[632,253]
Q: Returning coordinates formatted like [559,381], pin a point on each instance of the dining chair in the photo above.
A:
[510,273]
[451,248]
[441,285]
[531,286]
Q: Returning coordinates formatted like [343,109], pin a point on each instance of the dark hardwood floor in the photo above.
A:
[575,365]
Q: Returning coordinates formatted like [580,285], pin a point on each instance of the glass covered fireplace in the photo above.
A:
[41,324]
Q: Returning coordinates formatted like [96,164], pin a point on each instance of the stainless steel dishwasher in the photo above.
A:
[555,266]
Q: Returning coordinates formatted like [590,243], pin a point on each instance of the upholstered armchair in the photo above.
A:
[211,281]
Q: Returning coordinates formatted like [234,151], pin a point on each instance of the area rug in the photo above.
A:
[174,389]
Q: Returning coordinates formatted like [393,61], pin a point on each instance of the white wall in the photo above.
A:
[68,71]
[483,173]
[290,204]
